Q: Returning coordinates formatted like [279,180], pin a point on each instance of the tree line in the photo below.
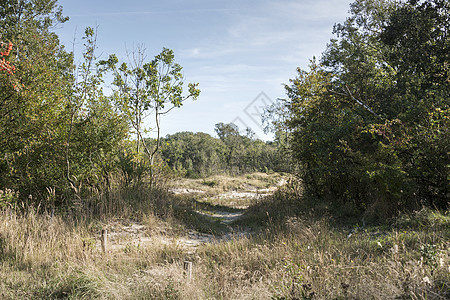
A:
[200,155]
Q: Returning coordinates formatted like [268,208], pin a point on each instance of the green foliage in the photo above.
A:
[369,125]
[31,143]
[171,292]
[201,155]
[61,138]
[58,130]
[429,254]
[95,132]
[147,88]
[193,154]
[8,198]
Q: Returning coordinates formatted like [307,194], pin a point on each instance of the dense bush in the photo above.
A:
[369,124]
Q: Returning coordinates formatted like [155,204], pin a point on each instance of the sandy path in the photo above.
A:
[138,235]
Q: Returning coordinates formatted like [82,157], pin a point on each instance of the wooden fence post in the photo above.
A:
[188,269]
[104,240]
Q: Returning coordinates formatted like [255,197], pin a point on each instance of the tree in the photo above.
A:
[368,125]
[195,154]
[201,155]
[32,101]
[154,88]
[417,36]
[230,136]
[57,130]
[95,131]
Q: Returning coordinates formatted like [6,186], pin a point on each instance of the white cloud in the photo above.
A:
[153,12]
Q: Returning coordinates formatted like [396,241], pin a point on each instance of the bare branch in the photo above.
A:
[361,103]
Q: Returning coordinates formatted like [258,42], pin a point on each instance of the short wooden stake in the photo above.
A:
[52,215]
[188,269]
[104,240]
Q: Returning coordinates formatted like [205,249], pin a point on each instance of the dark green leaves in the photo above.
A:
[364,124]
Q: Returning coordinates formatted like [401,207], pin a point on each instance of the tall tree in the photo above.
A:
[31,112]
[417,36]
[153,88]
[56,128]
[369,124]
[94,130]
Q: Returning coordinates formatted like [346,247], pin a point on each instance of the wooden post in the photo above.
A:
[188,269]
[104,240]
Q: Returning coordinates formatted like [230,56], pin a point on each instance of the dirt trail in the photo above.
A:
[232,207]
[135,234]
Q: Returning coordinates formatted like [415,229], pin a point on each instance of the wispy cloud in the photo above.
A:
[273,29]
[154,12]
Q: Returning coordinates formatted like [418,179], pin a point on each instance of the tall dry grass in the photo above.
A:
[52,258]
[292,256]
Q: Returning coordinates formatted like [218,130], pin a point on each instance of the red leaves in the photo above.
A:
[6,53]
[4,64]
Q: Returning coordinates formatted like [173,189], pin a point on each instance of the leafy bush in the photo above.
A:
[369,124]
[8,197]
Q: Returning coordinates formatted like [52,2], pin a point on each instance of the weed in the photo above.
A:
[429,253]
[210,183]
[170,291]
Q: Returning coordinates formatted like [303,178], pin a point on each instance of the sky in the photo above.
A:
[241,52]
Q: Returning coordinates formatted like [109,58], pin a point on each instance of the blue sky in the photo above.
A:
[241,52]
